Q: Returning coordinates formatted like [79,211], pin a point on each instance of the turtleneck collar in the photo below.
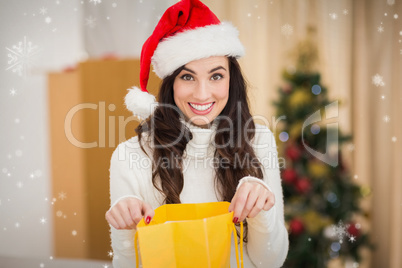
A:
[201,145]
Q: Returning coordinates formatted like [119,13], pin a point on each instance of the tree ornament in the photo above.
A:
[289,176]
[303,185]
[299,98]
[353,231]
[296,227]
[293,152]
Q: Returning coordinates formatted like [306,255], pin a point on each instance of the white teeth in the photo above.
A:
[201,107]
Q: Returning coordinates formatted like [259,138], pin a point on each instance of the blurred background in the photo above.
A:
[66,68]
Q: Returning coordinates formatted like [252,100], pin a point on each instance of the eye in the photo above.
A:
[186,77]
[216,77]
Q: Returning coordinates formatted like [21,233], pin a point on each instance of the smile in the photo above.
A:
[201,109]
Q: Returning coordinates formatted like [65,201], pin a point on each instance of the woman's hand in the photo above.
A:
[128,212]
[249,200]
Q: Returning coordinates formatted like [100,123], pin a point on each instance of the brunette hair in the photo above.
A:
[232,140]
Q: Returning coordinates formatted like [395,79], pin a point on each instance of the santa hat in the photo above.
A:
[187,31]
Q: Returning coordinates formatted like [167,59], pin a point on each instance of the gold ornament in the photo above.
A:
[318,169]
[295,130]
[299,98]
[314,222]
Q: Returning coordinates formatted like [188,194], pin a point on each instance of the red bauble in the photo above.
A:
[293,153]
[289,176]
[352,230]
[303,185]
[296,227]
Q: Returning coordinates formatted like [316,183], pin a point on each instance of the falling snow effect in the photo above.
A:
[287,30]
[62,195]
[340,230]
[43,10]
[333,16]
[380,29]
[95,1]
[20,57]
[386,119]
[91,22]
[377,80]
[13,92]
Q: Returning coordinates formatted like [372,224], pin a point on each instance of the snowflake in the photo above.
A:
[393,139]
[110,253]
[340,230]
[41,265]
[380,29]
[287,30]
[352,238]
[74,232]
[95,1]
[43,220]
[377,80]
[395,16]
[91,22]
[62,195]
[48,20]
[21,57]
[383,97]
[20,184]
[43,10]
[390,2]
[333,16]
[17,225]
[13,92]
[386,119]
[345,12]
[105,266]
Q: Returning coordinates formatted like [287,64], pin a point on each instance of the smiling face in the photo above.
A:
[201,89]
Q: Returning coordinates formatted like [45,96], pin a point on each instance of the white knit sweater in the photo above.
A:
[130,175]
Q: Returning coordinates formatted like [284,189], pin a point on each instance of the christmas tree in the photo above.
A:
[321,199]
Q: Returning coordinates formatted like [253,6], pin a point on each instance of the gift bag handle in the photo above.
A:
[241,245]
[239,263]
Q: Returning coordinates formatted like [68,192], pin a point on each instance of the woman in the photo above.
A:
[200,143]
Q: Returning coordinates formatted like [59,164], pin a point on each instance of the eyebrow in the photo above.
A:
[211,71]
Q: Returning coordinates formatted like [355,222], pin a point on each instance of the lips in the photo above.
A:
[201,109]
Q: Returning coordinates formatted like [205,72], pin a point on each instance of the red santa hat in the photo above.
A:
[187,31]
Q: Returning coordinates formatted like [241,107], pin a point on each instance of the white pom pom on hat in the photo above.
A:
[187,31]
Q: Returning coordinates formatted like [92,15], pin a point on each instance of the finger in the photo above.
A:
[148,213]
[239,204]
[259,205]
[116,214]
[270,202]
[111,220]
[125,213]
[135,213]
[231,206]
[251,200]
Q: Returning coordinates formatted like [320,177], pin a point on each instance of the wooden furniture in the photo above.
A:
[87,119]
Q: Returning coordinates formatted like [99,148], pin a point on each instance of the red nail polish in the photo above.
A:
[148,220]
[235,219]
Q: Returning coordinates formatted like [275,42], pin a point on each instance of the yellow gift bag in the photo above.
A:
[188,235]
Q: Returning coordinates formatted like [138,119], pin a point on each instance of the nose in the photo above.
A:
[201,91]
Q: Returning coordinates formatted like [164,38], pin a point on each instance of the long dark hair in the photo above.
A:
[233,151]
